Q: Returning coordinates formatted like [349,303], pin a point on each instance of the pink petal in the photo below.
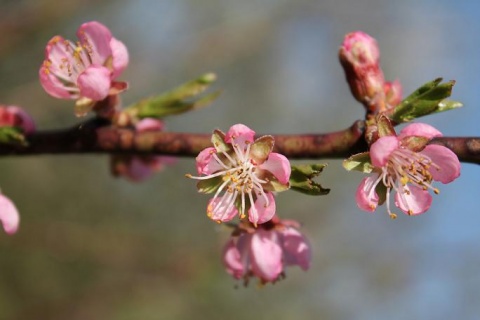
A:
[240,134]
[260,211]
[226,212]
[266,255]
[8,215]
[296,248]
[419,129]
[59,55]
[232,260]
[149,124]
[366,197]
[381,150]
[279,166]
[206,163]
[414,201]
[138,170]
[96,37]
[94,83]
[448,165]
[120,57]
[22,119]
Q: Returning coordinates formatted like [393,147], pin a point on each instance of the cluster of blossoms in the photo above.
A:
[263,252]
[246,170]
[13,117]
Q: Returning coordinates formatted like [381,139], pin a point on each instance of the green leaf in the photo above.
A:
[209,185]
[301,179]
[428,99]
[359,162]
[12,135]
[175,101]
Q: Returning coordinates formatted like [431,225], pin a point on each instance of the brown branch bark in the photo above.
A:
[96,136]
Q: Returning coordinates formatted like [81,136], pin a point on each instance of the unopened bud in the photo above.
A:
[360,58]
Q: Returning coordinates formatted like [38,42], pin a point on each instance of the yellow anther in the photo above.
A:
[393,216]
[436,191]
[404,180]
[410,212]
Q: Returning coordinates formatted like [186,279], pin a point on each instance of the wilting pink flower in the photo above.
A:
[246,171]
[9,216]
[13,116]
[265,252]
[405,165]
[139,168]
[85,70]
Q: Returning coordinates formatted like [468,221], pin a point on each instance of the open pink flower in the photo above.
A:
[264,252]
[139,168]
[9,216]
[85,70]
[13,116]
[405,165]
[246,171]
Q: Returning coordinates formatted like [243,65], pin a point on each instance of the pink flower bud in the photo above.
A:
[13,116]
[9,216]
[360,58]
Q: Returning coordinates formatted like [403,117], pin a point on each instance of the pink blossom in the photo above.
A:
[9,216]
[407,167]
[139,168]
[13,116]
[85,70]
[246,171]
[265,252]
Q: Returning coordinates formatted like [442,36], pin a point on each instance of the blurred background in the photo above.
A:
[94,247]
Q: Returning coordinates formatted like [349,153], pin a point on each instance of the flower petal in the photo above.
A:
[448,165]
[224,212]
[421,130]
[149,124]
[266,255]
[414,200]
[206,163]
[381,150]
[366,197]
[261,211]
[240,134]
[232,260]
[8,215]
[94,83]
[279,166]
[120,57]
[96,37]
[296,248]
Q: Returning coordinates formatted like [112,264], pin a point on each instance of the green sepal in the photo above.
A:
[218,141]
[415,143]
[384,126]
[359,162]
[261,148]
[301,179]
[209,185]
[276,186]
[174,101]
[12,135]
[428,99]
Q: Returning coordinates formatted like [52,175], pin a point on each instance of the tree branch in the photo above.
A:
[97,136]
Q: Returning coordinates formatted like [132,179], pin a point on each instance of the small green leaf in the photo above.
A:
[301,179]
[428,99]
[359,162]
[209,185]
[175,101]
[12,135]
